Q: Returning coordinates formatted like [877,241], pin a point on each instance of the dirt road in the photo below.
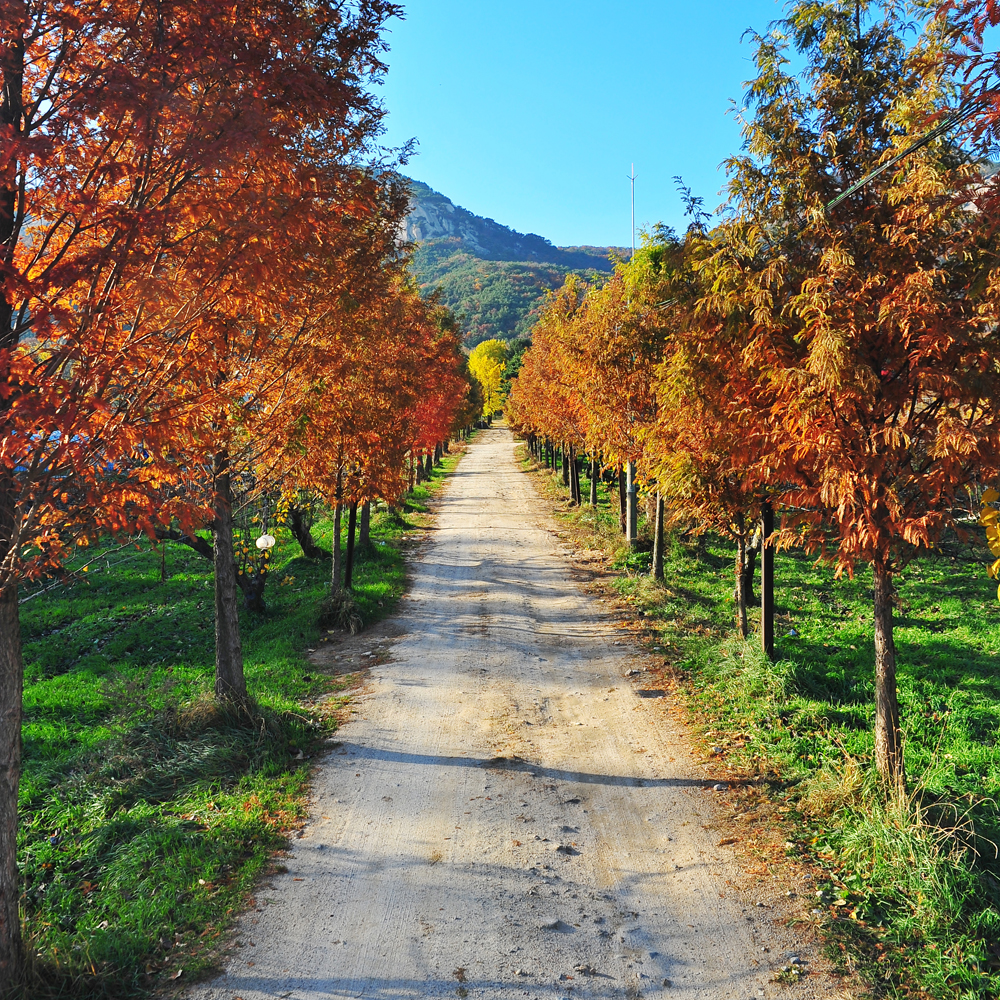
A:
[506,817]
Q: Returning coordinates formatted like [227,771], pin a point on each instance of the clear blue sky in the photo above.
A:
[530,112]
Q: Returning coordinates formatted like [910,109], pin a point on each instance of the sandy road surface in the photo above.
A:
[506,817]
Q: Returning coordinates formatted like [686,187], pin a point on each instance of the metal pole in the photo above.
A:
[632,179]
[631,506]
[767,581]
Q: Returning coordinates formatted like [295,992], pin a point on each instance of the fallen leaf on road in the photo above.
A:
[728,840]
[177,974]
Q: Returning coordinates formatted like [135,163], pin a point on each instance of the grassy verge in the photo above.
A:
[147,814]
[909,892]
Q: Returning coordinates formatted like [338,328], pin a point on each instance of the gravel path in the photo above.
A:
[505,817]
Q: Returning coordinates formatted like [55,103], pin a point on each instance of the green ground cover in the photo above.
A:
[147,814]
[912,889]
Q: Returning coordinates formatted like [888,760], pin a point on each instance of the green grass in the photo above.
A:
[913,887]
[147,814]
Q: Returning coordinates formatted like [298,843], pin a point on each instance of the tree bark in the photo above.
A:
[430,466]
[888,736]
[594,472]
[11,681]
[201,545]
[746,564]
[302,533]
[658,538]
[365,530]
[11,662]
[352,527]
[335,545]
[565,465]
[230,684]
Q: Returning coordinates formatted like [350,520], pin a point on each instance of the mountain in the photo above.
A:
[491,276]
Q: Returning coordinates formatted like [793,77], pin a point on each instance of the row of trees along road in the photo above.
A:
[201,287]
[838,362]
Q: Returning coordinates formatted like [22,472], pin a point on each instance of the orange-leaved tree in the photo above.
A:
[871,322]
[132,135]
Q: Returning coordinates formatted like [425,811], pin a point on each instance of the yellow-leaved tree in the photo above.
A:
[487,362]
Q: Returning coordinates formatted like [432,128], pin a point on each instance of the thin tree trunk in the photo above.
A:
[11,681]
[302,533]
[230,684]
[365,531]
[352,527]
[594,472]
[658,538]
[11,662]
[888,737]
[338,510]
[429,467]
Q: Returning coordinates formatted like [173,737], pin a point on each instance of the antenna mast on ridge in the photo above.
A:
[631,177]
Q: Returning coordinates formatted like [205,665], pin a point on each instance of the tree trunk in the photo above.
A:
[622,501]
[565,465]
[430,466]
[365,531]
[230,684]
[352,527]
[594,472]
[11,662]
[196,542]
[888,737]
[335,545]
[11,681]
[658,538]
[302,533]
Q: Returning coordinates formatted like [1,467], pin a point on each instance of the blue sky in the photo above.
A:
[530,112]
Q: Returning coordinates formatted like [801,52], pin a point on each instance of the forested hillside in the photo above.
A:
[493,277]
